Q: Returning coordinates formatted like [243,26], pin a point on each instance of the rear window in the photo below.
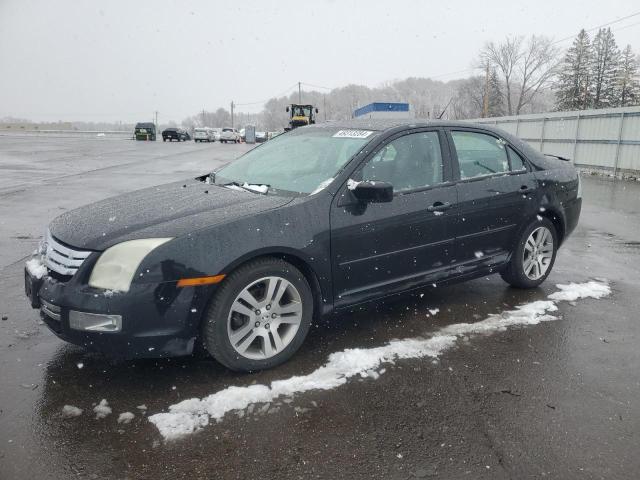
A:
[227,130]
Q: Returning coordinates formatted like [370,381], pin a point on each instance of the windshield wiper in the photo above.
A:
[477,162]
[250,187]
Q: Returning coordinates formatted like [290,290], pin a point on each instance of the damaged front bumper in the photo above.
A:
[149,321]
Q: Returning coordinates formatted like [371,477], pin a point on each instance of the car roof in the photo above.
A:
[389,124]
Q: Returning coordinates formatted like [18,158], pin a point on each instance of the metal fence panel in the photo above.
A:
[606,139]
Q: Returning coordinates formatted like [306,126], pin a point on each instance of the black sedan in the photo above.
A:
[178,134]
[317,220]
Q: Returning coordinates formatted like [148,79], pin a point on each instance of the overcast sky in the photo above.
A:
[122,60]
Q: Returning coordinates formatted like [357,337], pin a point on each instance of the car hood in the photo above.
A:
[169,210]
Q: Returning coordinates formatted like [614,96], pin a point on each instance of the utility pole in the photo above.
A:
[156,120]
[231,113]
[485,100]
[203,117]
[299,92]
[324,106]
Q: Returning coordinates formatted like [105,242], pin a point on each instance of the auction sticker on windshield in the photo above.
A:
[352,134]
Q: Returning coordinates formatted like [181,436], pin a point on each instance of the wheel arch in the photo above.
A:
[557,219]
[323,303]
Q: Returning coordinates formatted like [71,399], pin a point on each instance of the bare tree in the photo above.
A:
[526,68]
[505,57]
[469,98]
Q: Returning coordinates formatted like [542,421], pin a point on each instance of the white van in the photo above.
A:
[204,134]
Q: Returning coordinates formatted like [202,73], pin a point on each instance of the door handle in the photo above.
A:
[439,207]
[525,189]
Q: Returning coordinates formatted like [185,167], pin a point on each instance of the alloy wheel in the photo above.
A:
[264,318]
[538,253]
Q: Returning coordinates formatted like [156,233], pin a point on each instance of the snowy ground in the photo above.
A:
[470,381]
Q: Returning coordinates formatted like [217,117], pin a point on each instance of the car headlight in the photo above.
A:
[117,265]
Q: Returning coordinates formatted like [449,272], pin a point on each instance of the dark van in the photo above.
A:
[145,131]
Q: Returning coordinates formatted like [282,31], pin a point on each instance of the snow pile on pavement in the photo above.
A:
[36,268]
[193,414]
[576,291]
[125,417]
[69,411]
[102,409]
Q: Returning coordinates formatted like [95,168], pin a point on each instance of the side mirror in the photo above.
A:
[373,191]
[287,109]
[316,110]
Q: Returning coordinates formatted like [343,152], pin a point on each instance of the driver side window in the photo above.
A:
[408,162]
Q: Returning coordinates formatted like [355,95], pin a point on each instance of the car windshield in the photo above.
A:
[299,161]
[302,111]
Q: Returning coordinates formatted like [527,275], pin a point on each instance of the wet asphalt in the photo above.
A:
[555,400]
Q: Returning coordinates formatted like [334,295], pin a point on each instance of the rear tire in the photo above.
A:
[533,258]
[259,316]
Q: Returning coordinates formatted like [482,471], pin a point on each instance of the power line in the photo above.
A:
[635,14]
[318,86]
[626,26]
[558,41]
[451,73]
[243,104]
[466,70]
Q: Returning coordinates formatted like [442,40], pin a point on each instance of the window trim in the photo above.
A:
[509,149]
[447,168]
[455,164]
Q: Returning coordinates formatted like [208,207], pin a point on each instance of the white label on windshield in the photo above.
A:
[353,134]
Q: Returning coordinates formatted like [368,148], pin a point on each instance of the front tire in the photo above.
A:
[259,317]
[534,256]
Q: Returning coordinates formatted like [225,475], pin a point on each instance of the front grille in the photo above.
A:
[62,259]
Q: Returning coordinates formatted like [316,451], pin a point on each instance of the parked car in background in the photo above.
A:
[258,250]
[229,135]
[261,137]
[217,132]
[145,131]
[179,134]
[204,134]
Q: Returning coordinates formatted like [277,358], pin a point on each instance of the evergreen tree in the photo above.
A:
[605,69]
[628,85]
[572,89]
[496,100]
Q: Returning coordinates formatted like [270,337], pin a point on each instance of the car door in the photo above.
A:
[496,188]
[381,248]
